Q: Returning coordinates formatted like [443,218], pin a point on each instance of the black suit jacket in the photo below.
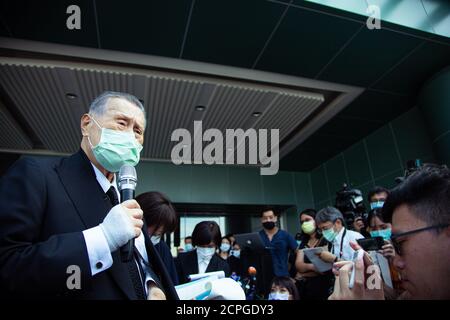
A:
[187,264]
[45,204]
[166,256]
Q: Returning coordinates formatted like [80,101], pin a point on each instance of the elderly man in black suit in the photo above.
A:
[61,217]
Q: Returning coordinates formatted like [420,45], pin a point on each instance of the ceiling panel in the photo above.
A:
[230,32]
[370,111]
[305,42]
[287,112]
[45,20]
[377,106]
[12,135]
[39,93]
[368,56]
[152,27]
[38,96]
[171,105]
[409,76]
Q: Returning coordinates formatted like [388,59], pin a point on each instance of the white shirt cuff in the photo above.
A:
[100,257]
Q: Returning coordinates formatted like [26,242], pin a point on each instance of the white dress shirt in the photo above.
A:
[203,263]
[100,257]
[347,251]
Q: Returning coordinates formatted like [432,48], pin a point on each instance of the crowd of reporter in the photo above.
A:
[412,220]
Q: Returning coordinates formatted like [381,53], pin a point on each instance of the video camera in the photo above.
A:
[351,203]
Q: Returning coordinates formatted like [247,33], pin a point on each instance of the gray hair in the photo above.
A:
[98,106]
[328,214]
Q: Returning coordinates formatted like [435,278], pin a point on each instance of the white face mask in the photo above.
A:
[155,239]
[278,296]
[205,253]
[224,247]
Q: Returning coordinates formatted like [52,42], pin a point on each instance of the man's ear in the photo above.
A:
[84,123]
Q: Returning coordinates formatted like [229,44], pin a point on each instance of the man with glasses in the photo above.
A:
[331,223]
[419,209]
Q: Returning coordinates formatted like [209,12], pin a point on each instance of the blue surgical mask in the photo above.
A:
[376,205]
[278,296]
[385,233]
[205,253]
[224,247]
[188,247]
[116,148]
[236,253]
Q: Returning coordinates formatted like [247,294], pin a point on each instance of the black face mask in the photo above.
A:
[269,225]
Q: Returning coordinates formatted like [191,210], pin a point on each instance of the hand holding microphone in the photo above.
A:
[122,224]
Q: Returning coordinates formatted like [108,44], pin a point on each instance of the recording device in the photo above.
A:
[249,284]
[358,254]
[411,167]
[127,180]
[351,203]
[371,244]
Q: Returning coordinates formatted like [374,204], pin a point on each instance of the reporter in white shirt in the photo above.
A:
[331,222]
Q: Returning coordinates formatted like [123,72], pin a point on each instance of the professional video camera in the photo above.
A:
[351,203]
[411,167]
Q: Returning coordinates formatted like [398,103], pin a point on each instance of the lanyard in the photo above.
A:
[342,244]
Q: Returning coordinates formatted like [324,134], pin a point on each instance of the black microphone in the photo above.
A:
[127,181]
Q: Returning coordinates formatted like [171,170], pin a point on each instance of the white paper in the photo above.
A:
[225,289]
[320,265]
[193,289]
[219,274]
[211,288]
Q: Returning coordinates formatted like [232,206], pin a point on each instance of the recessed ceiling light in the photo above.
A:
[71,96]
[256,114]
[200,108]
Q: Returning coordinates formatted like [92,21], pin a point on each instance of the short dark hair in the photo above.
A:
[329,214]
[287,283]
[375,191]
[426,192]
[206,232]
[308,212]
[158,211]
[268,208]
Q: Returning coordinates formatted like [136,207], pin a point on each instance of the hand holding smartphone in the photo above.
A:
[358,254]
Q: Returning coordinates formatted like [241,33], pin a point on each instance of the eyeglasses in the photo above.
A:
[397,244]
